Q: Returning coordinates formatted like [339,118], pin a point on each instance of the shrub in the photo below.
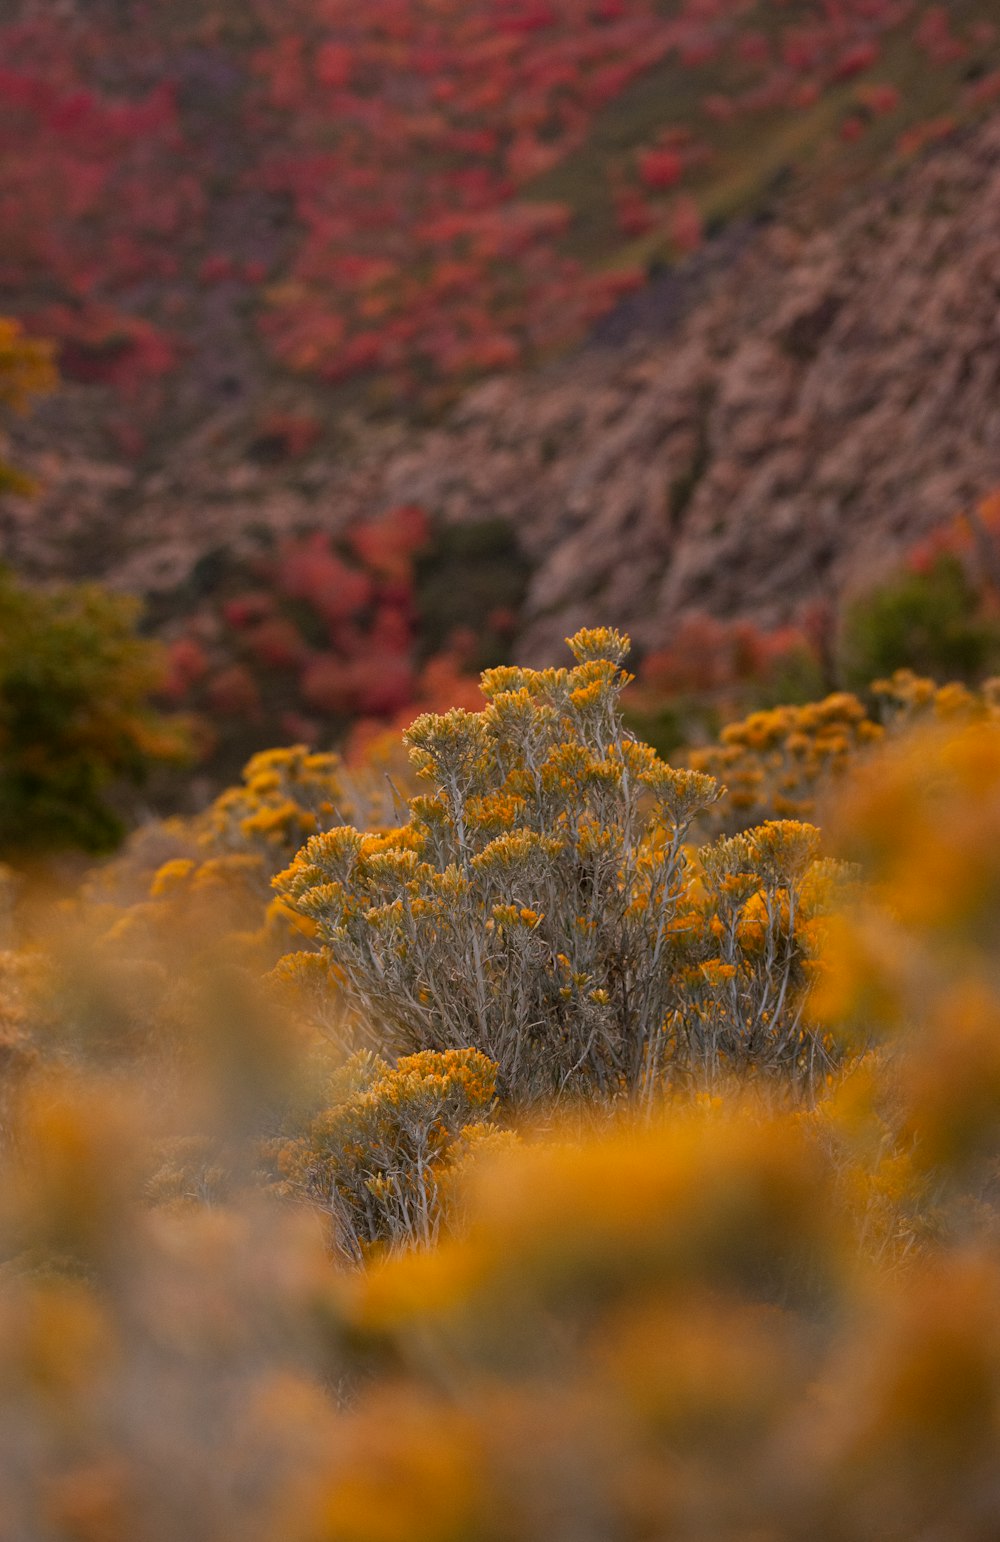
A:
[784,761]
[284,796]
[777,761]
[26,371]
[75,719]
[309,639]
[931,622]
[541,905]
[374,1161]
[736,1318]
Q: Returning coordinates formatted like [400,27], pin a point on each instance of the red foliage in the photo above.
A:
[445,681]
[216,268]
[187,663]
[388,544]
[334,65]
[257,658]
[442,113]
[961,537]
[633,214]
[914,140]
[754,48]
[248,609]
[856,59]
[307,569]
[805,95]
[660,169]
[935,36]
[233,692]
[105,347]
[404,137]
[326,685]
[707,655]
[879,99]
[383,685]
[296,728]
[686,228]
[374,685]
[94,193]
[277,643]
[721,109]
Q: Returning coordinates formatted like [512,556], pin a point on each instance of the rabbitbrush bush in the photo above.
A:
[542,905]
[738,1319]
[785,760]
[378,1159]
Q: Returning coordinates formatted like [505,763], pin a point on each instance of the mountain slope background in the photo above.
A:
[727,276]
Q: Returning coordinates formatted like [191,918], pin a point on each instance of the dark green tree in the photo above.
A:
[76,719]
[933,622]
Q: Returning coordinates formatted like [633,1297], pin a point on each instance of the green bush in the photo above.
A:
[931,622]
[75,716]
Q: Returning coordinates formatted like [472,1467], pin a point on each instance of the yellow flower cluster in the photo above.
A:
[781,763]
[542,902]
[285,796]
[249,1294]
[375,1161]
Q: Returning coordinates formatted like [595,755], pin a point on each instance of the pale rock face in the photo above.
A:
[766,437]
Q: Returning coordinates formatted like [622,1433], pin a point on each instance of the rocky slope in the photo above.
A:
[765,432]
[832,399]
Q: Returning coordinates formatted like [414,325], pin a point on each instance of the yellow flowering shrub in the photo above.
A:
[781,762]
[285,796]
[185,893]
[541,902]
[374,1160]
[916,958]
[736,1313]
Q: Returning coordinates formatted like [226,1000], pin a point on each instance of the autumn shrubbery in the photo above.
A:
[542,902]
[785,761]
[933,620]
[77,724]
[378,1159]
[461,189]
[252,1284]
[336,639]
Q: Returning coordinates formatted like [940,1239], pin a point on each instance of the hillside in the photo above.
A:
[758,429]
[199,197]
[624,296]
[830,399]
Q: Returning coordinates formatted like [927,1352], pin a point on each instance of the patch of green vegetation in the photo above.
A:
[929,622]
[797,678]
[668,729]
[75,716]
[471,578]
